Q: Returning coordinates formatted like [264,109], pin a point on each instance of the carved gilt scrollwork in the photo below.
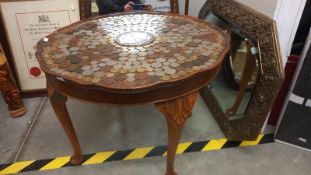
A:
[83,8]
[174,6]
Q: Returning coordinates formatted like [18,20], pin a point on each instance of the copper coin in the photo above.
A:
[151,60]
[73,68]
[107,81]
[153,78]
[59,60]
[141,76]
[75,61]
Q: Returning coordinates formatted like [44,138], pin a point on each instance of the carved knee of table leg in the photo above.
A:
[178,110]
[55,97]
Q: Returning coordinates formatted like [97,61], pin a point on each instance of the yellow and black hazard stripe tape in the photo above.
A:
[131,154]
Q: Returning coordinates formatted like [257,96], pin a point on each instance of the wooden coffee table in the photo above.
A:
[131,59]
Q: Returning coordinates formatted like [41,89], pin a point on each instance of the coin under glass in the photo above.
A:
[132,49]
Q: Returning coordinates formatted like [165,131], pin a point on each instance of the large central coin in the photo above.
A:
[138,38]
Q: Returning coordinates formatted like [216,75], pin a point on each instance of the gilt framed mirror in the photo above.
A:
[242,94]
[89,8]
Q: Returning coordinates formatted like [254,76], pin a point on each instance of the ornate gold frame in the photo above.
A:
[263,29]
[84,10]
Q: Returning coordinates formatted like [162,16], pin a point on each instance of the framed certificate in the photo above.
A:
[25,23]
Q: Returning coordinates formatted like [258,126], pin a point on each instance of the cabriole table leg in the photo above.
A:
[176,112]
[58,102]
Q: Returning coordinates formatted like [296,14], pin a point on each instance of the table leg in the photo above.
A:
[176,112]
[58,102]
[249,68]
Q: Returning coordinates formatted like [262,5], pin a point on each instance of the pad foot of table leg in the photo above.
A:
[76,159]
[171,173]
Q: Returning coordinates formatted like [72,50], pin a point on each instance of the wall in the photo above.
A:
[266,7]
[287,14]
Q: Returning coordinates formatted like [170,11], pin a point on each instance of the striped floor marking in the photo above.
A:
[131,154]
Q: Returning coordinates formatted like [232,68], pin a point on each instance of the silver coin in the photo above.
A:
[203,66]
[130,79]
[123,58]
[133,51]
[212,60]
[174,64]
[160,74]
[127,67]
[123,54]
[171,60]
[109,75]
[150,52]
[59,71]
[135,62]
[132,59]
[151,73]
[140,58]
[130,74]
[98,74]
[170,71]
[142,54]
[102,64]
[105,59]
[160,60]
[165,67]
[197,41]
[146,65]
[63,46]
[86,67]
[156,64]
[95,43]
[57,56]
[87,72]
[188,52]
[95,69]
[111,63]
[166,63]
[208,63]
[117,66]
[74,48]
[74,53]
[94,62]
[91,46]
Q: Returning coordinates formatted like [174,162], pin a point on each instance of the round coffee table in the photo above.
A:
[130,59]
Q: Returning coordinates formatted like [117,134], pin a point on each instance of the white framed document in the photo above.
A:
[26,22]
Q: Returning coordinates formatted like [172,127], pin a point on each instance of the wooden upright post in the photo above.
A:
[8,88]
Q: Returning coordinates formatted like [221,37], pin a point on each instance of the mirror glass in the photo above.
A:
[157,5]
[234,83]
